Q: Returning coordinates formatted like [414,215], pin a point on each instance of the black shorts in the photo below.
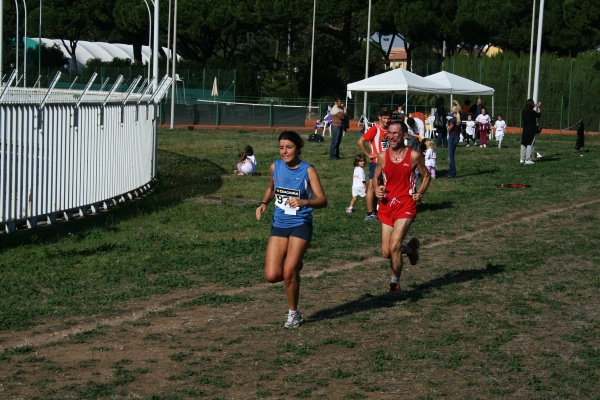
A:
[372,167]
[303,231]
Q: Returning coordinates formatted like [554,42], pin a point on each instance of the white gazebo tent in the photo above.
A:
[398,80]
[459,85]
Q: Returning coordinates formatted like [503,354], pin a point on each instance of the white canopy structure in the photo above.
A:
[397,80]
[459,85]
[104,51]
[401,80]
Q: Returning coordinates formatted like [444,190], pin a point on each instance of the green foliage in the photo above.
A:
[566,85]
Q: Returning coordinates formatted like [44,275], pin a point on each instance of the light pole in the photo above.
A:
[40,44]
[1,39]
[25,46]
[17,42]
[155,47]
[149,37]
[169,39]
[367,61]
[295,69]
[538,56]
[312,57]
[531,50]
[173,66]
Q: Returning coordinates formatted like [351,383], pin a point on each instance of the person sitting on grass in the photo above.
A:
[296,189]
[247,164]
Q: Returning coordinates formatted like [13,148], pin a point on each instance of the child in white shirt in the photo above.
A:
[247,164]
[359,185]
[470,130]
[430,157]
[500,126]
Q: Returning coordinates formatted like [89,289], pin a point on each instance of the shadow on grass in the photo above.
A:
[179,177]
[370,302]
[423,207]
[481,172]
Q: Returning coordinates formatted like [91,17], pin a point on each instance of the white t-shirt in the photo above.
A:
[249,165]
[483,119]
[358,182]
[430,157]
[500,125]
[471,128]
[419,127]
[359,178]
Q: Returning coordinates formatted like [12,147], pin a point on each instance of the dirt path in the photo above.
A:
[52,330]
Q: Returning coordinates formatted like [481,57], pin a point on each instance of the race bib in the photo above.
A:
[282,195]
[385,144]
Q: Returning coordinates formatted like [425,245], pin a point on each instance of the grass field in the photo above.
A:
[164,297]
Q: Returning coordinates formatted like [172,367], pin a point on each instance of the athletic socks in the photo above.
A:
[395,279]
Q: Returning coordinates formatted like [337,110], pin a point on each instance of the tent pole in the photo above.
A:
[392,102]
[406,105]
[493,115]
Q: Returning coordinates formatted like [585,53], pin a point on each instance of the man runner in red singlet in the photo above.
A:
[398,208]
[376,136]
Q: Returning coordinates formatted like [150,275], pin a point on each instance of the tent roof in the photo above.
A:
[458,84]
[398,80]
[104,51]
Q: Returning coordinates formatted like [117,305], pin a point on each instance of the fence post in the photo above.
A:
[217,113]
[234,83]
[508,90]
[570,87]
[561,112]
[271,114]
[203,80]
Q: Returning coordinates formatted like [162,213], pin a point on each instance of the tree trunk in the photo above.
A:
[137,50]
[276,56]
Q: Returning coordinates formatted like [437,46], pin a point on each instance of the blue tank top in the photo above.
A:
[288,183]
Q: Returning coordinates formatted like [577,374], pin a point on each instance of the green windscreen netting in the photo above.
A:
[234,114]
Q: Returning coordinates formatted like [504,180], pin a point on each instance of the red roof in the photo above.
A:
[398,53]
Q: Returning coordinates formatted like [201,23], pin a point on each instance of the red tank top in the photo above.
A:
[399,179]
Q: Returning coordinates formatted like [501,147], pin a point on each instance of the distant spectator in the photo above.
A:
[529,116]
[430,157]
[442,132]
[470,131]
[247,164]
[359,181]
[465,108]
[338,114]
[399,110]
[476,108]
[453,138]
[484,126]
[499,127]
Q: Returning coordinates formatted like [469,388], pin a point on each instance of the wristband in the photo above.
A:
[262,202]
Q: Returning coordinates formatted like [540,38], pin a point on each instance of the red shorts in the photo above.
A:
[395,210]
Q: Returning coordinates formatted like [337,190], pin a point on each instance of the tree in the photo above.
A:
[67,20]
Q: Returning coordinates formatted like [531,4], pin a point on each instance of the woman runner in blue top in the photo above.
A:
[296,189]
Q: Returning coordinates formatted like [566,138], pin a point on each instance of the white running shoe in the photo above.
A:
[529,162]
[538,155]
[295,321]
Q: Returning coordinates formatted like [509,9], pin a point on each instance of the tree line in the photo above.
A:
[268,38]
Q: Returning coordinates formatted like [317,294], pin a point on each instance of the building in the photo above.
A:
[398,58]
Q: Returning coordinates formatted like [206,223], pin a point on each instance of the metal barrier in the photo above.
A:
[66,153]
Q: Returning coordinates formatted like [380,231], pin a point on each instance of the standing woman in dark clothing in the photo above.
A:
[529,116]
[453,139]
[442,132]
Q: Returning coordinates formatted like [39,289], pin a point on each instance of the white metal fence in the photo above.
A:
[68,152]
